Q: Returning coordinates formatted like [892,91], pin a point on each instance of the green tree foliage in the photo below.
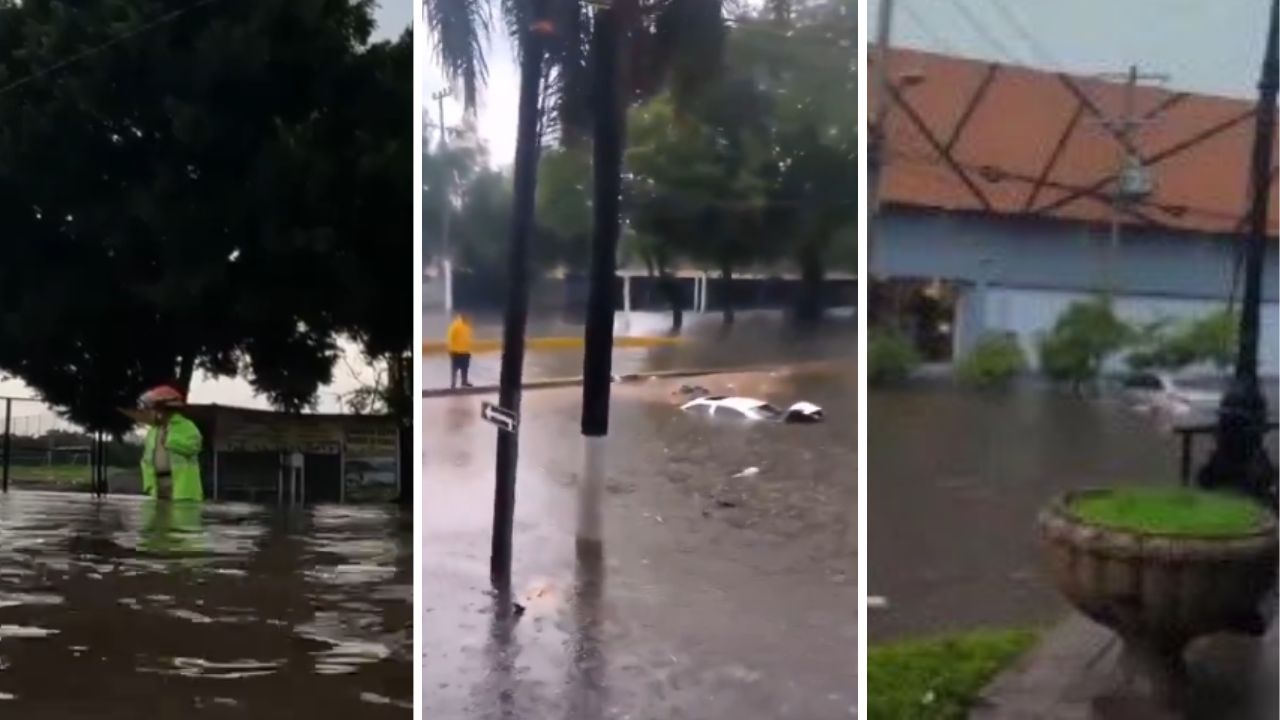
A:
[223,190]
[1082,338]
[564,201]
[696,182]
[1163,345]
[804,60]
[891,357]
[993,362]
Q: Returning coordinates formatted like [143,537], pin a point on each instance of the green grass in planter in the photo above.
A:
[1170,511]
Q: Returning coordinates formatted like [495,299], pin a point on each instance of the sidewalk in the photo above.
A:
[1231,677]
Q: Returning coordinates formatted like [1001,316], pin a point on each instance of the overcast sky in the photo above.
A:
[392,16]
[1206,46]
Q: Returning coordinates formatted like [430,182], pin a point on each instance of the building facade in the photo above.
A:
[1007,193]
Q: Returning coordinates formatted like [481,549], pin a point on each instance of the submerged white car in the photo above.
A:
[753,409]
[1163,393]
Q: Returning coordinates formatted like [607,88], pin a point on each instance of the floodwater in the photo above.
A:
[128,608]
[717,596]
[955,480]
[757,338]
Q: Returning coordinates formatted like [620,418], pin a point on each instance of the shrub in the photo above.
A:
[993,362]
[890,357]
[1208,339]
[1082,338]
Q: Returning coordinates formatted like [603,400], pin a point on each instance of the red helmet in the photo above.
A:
[161,396]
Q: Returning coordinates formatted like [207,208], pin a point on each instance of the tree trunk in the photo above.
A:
[726,279]
[810,308]
[606,100]
[671,291]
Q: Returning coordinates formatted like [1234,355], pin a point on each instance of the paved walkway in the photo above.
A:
[1068,676]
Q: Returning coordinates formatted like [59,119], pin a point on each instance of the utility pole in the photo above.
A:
[511,379]
[446,251]
[1132,182]
[1239,461]
[876,141]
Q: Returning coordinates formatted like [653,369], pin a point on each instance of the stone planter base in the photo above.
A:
[1159,592]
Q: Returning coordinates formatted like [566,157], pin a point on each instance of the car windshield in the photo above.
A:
[1205,384]
[1142,382]
[768,411]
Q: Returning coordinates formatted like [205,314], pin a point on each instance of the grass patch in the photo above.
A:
[939,678]
[59,474]
[1170,511]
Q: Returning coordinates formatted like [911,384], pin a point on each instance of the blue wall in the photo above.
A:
[1057,255]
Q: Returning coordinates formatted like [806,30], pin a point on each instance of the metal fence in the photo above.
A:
[40,449]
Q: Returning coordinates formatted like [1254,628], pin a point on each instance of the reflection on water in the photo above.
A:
[127,608]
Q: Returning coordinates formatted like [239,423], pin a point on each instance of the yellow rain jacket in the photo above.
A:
[183,442]
[458,339]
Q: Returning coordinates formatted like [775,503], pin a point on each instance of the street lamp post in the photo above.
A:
[1239,461]
[446,260]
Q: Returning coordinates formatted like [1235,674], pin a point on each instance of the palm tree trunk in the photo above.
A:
[597,361]
[511,379]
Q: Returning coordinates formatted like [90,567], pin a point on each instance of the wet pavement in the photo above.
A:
[128,608]
[716,597]
[955,480]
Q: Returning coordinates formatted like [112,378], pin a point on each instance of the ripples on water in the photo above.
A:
[128,608]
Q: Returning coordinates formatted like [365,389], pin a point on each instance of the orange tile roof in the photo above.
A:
[1196,147]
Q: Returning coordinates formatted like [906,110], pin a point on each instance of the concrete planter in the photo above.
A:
[1159,592]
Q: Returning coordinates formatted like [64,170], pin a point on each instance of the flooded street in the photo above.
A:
[757,338]
[955,480]
[127,608]
[717,597]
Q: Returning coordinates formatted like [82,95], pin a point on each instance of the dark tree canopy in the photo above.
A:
[225,190]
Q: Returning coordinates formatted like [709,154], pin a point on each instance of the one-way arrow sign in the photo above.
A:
[503,418]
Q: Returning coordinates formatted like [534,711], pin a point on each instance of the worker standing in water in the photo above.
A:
[171,453]
[458,342]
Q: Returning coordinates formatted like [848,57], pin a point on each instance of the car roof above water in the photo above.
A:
[735,402]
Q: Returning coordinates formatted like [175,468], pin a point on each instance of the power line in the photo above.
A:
[160,20]
[978,27]
[918,20]
[1037,48]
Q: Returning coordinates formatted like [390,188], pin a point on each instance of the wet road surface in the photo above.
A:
[717,597]
[955,480]
[128,608]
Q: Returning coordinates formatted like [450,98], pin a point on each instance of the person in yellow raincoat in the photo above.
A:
[171,453]
[458,343]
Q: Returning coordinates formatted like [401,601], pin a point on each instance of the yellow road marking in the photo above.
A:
[480,347]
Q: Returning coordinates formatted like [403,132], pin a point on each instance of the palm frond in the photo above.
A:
[459,30]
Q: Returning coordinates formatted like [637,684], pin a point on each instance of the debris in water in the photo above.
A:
[749,472]
[877,602]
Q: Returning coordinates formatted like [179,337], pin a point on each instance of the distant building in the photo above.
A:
[266,456]
[1000,190]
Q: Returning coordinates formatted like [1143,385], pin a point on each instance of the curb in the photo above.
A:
[629,378]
